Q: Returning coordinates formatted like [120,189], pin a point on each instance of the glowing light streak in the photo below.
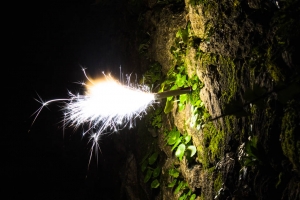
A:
[107,106]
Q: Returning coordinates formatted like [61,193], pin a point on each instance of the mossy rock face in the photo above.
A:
[198,20]
[290,137]
[233,48]
[165,23]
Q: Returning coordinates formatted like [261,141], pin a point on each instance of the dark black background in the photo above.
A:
[47,43]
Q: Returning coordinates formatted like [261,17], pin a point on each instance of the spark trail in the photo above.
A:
[107,106]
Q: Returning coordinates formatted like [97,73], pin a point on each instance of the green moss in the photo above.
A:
[272,69]
[211,149]
[229,74]
[226,70]
[274,72]
[229,123]
[206,59]
[215,143]
[218,182]
[216,140]
[203,158]
[290,139]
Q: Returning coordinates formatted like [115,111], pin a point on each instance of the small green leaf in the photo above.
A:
[183,34]
[172,183]
[198,103]
[181,106]
[144,165]
[194,87]
[186,139]
[156,121]
[254,140]
[183,196]
[152,158]
[178,188]
[183,98]
[185,185]
[193,197]
[180,151]
[174,172]
[169,106]
[180,81]
[156,172]
[173,136]
[174,87]
[148,175]
[145,157]
[178,141]
[155,184]
[192,150]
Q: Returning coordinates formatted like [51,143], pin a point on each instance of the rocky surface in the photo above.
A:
[251,75]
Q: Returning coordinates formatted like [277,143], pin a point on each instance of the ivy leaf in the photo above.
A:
[184,185]
[181,68]
[183,98]
[198,103]
[254,140]
[172,183]
[174,87]
[193,197]
[144,165]
[178,141]
[183,34]
[155,184]
[169,106]
[145,158]
[180,151]
[178,188]
[148,175]
[194,87]
[156,172]
[191,150]
[181,106]
[152,158]
[183,196]
[156,121]
[174,173]
[180,81]
[173,136]
[186,139]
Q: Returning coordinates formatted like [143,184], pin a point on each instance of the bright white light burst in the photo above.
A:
[107,105]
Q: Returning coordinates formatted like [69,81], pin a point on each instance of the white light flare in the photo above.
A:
[107,104]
